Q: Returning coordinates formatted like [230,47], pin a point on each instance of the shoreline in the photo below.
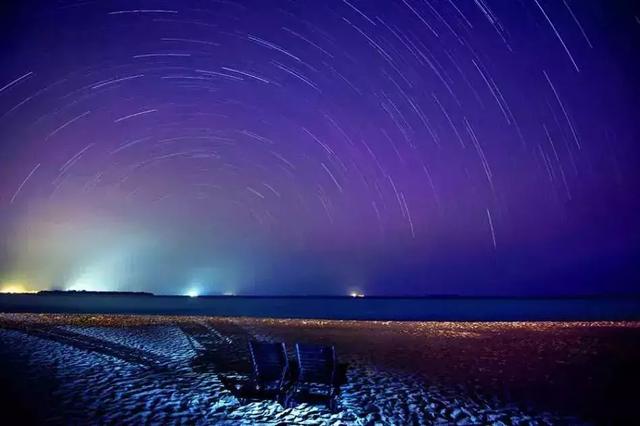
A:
[345,308]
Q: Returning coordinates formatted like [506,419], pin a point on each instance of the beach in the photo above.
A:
[135,369]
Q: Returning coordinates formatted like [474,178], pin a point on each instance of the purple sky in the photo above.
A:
[315,147]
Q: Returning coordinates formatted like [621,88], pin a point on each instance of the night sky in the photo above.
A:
[321,147]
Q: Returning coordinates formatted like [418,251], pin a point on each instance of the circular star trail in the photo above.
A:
[384,147]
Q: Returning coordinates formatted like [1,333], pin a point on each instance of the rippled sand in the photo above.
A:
[162,369]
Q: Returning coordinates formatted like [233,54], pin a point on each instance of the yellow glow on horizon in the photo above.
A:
[15,288]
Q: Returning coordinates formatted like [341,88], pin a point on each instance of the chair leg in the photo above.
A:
[291,401]
[333,404]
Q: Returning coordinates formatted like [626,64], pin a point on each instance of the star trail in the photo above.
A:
[312,147]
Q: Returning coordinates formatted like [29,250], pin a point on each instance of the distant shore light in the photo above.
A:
[15,288]
[192,292]
[356,294]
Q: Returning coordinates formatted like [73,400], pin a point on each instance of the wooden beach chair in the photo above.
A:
[318,376]
[269,379]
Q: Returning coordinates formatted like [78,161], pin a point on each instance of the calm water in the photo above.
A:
[460,309]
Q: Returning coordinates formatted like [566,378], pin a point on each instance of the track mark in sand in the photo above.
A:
[92,344]
[221,347]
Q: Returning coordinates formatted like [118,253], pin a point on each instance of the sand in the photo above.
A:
[83,369]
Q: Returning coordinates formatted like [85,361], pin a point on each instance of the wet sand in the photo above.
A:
[116,369]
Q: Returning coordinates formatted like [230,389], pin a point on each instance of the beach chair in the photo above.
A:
[269,378]
[318,376]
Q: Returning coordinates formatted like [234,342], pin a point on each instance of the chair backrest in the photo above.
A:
[316,363]
[269,361]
